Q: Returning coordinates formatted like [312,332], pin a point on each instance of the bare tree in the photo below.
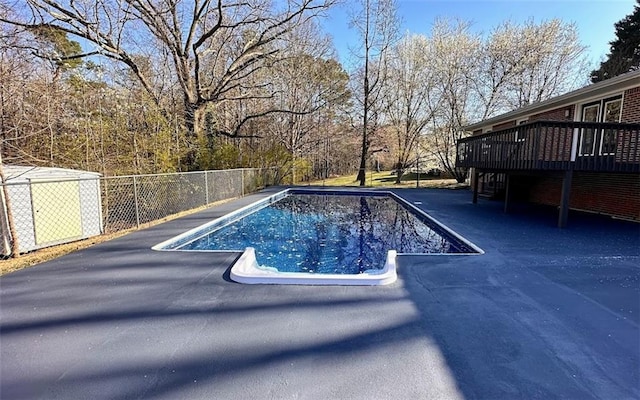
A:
[515,66]
[454,56]
[544,60]
[213,46]
[27,85]
[407,95]
[309,83]
[377,24]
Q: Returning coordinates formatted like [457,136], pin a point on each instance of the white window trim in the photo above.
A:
[604,106]
[518,123]
[583,108]
[577,140]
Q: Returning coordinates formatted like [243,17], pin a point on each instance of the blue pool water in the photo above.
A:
[329,234]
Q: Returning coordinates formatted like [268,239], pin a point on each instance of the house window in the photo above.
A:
[590,113]
[485,146]
[605,140]
[520,133]
[611,113]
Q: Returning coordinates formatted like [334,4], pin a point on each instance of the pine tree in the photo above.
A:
[624,53]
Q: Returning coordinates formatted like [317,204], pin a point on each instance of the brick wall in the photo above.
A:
[504,125]
[603,193]
[631,106]
[555,143]
[545,189]
[557,114]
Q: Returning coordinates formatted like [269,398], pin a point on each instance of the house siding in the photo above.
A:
[631,106]
[604,193]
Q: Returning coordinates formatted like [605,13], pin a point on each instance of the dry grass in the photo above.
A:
[49,253]
[385,179]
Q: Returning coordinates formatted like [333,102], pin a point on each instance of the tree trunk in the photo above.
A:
[460,174]
[365,145]
[193,124]
[399,173]
[363,158]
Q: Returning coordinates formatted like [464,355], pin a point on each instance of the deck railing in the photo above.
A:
[554,145]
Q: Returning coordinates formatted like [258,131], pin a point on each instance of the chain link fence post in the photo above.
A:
[206,187]
[135,200]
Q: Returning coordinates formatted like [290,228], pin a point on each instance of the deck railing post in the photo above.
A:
[564,199]
[475,177]
[507,193]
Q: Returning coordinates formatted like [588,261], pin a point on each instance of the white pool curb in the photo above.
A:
[247,270]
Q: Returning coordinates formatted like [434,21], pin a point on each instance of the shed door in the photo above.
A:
[56,211]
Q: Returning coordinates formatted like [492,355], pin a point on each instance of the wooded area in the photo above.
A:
[145,86]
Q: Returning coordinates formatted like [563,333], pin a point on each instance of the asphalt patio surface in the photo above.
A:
[545,313]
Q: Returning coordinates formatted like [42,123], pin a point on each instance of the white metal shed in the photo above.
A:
[50,206]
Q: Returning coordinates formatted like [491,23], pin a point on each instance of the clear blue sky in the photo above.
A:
[594,18]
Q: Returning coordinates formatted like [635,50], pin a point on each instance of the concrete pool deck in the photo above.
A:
[544,313]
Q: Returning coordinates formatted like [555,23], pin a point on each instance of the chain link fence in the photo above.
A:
[54,206]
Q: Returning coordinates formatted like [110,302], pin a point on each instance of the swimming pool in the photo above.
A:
[322,237]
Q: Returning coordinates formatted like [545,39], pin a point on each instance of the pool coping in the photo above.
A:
[247,270]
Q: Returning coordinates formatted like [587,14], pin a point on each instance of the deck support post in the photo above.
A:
[475,177]
[563,214]
[507,193]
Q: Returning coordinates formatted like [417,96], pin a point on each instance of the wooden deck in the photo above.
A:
[554,145]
